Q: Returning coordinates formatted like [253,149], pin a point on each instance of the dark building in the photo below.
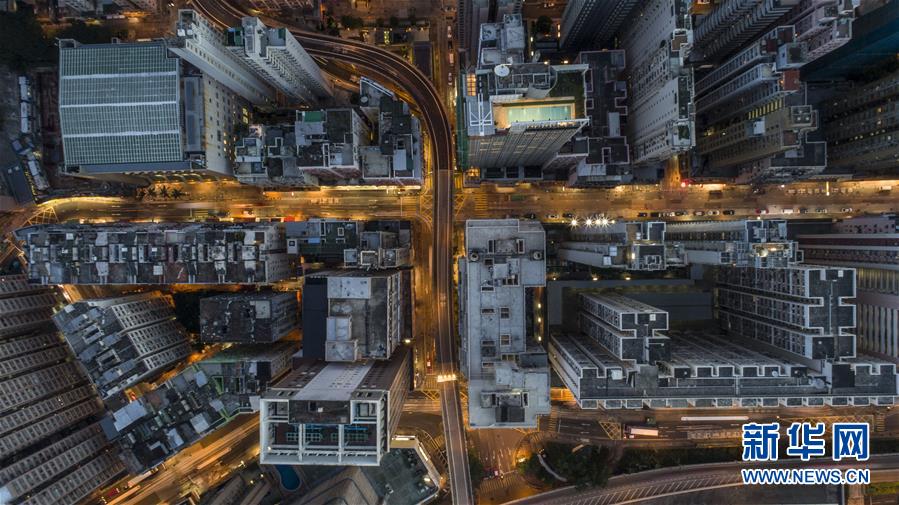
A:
[156,253]
[248,318]
[350,315]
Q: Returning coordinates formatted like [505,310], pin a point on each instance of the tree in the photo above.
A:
[88,34]
[23,42]
[351,22]
[544,25]
[475,467]
[586,467]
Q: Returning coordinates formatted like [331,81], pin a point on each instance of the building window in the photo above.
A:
[504,312]
[505,340]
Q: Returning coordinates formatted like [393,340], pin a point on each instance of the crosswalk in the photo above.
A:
[496,485]
[552,423]
[481,201]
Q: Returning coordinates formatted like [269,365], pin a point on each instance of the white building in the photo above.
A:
[334,413]
[277,57]
[507,370]
[201,44]
[657,44]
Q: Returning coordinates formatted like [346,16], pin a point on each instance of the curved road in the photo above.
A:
[393,70]
[683,480]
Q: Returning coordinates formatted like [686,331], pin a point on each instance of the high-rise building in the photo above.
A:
[156,253]
[397,157]
[24,307]
[334,146]
[78,6]
[751,242]
[733,23]
[754,116]
[328,143]
[123,341]
[276,56]
[351,244]
[656,245]
[518,115]
[334,413]
[248,318]
[51,448]
[861,126]
[200,43]
[200,399]
[602,156]
[471,14]
[131,111]
[591,24]
[623,245]
[619,359]
[246,371]
[323,240]
[872,40]
[507,370]
[352,315]
[267,157]
[871,246]
[629,329]
[822,25]
[803,310]
[657,44]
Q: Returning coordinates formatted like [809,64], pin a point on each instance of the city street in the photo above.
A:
[437,212]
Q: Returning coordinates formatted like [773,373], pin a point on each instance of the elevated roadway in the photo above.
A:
[400,74]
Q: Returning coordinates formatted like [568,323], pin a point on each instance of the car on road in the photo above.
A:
[761,211]
[698,213]
[655,214]
[568,215]
[679,213]
[552,217]
[531,216]
[821,210]
[713,212]
[803,210]
[728,212]
[642,214]
[846,209]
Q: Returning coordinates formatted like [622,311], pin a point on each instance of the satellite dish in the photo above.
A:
[501,70]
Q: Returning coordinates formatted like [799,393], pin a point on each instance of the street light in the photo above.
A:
[574,222]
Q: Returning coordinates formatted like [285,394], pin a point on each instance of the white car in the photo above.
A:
[714,212]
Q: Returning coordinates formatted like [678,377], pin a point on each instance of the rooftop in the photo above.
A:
[119,103]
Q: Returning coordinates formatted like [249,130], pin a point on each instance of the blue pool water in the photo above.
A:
[539,113]
[289,478]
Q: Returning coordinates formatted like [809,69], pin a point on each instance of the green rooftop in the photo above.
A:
[313,116]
